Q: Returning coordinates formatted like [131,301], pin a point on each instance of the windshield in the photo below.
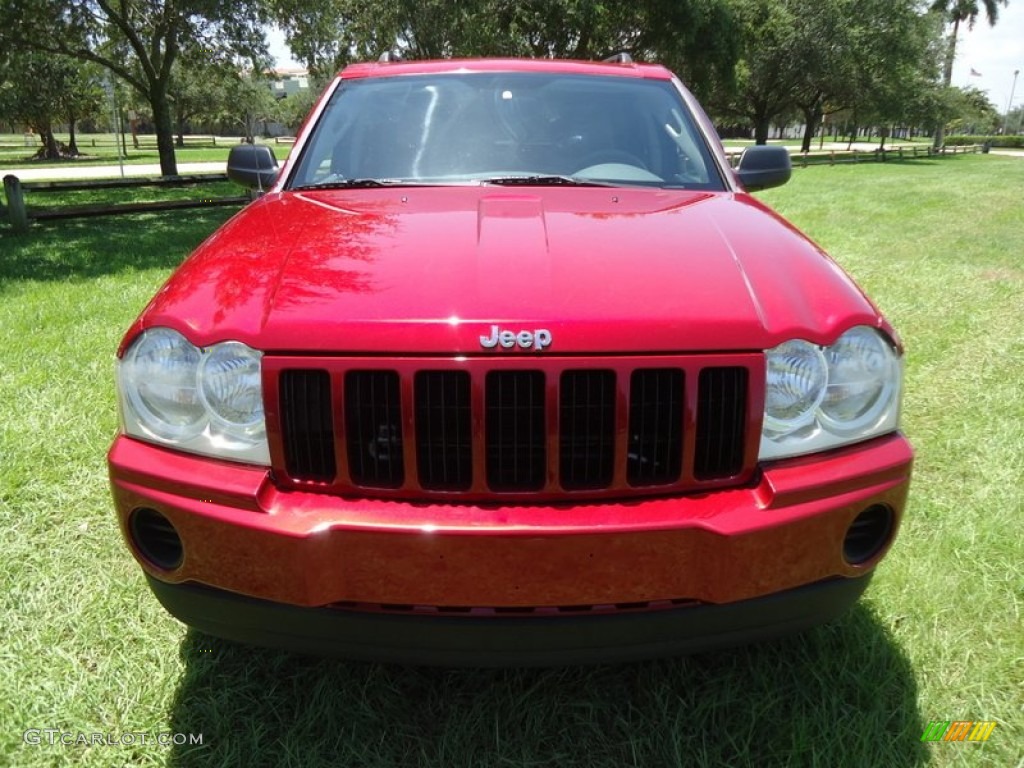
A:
[529,128]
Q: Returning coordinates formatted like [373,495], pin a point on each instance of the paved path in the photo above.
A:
[72,171]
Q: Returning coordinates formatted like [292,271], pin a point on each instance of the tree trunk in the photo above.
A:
[163,123]
[72,144]
[51,150]
[179,118]
[761,128]
[947,79]
[812,117]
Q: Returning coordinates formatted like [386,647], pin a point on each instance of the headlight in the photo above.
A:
[797,374]
[207,401]
[823,397]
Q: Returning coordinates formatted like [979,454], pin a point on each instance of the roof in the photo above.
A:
[451,66]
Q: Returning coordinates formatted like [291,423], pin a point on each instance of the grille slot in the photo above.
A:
[373,428]
[482,429]
[515,432]
[721,422]
[307,424]
[586,429]
[655,426]
[444,438]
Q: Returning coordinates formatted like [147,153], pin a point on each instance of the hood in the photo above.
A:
[438,270]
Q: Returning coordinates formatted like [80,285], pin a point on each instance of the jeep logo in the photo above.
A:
[537,339]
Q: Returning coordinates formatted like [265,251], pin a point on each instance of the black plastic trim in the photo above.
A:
[468,641]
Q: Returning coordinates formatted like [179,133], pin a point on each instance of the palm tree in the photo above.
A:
[955,12]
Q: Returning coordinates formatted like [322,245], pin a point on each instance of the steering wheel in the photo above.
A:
[610,155]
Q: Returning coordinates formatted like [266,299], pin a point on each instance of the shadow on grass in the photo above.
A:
[842,695]
[88,248]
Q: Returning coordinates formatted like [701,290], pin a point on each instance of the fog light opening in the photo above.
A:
[868,534]
[156,538]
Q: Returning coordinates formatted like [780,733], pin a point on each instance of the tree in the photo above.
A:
[248,103]
[820,58]
[138,41]
[1015,120]
[41,90]
[956,12]
[769,66]
[80,98]
[696,37]
[292,110]
[895,58]
[973,113]
[198,89]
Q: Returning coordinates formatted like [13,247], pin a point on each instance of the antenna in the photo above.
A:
[619,58]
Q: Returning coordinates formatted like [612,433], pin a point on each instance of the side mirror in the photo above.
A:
[763,166]
[252,165]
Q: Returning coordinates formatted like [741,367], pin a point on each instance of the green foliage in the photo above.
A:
[293,109]
[40,90]
[248,103]
[138,41]
[971,111]
[868,56]
[695,37]
[957,11]
[1002,142]
[937,636]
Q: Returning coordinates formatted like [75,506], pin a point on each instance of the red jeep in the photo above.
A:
[506,367]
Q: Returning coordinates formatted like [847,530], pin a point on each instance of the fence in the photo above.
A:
[146,141]
[20,215]
[895,152]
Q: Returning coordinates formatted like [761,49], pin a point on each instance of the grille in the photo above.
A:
[586,417]
[481,428]
[373,428]
[655,426]
[307,424]
[515,434]
[444,438]
[721,415]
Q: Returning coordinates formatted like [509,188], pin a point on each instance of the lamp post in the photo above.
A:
[115,113]
[1009,104]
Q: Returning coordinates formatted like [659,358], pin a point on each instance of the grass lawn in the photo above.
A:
[13,153]
[39,199]
[86,648]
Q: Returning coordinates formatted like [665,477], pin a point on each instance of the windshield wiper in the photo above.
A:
[543,181]
[356,184]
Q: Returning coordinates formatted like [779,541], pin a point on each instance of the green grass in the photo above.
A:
[42,199]
[938,636]
[13,153]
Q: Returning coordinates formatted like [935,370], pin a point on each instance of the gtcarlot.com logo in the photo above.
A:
[53,736]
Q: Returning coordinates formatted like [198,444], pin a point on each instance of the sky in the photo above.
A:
[994,52]
[279,48]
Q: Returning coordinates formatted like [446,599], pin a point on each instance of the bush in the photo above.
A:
[1014,142]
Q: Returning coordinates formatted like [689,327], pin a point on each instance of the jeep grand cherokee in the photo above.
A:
[506,366]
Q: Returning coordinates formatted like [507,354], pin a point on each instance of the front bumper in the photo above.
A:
[481,642]
[242,535]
